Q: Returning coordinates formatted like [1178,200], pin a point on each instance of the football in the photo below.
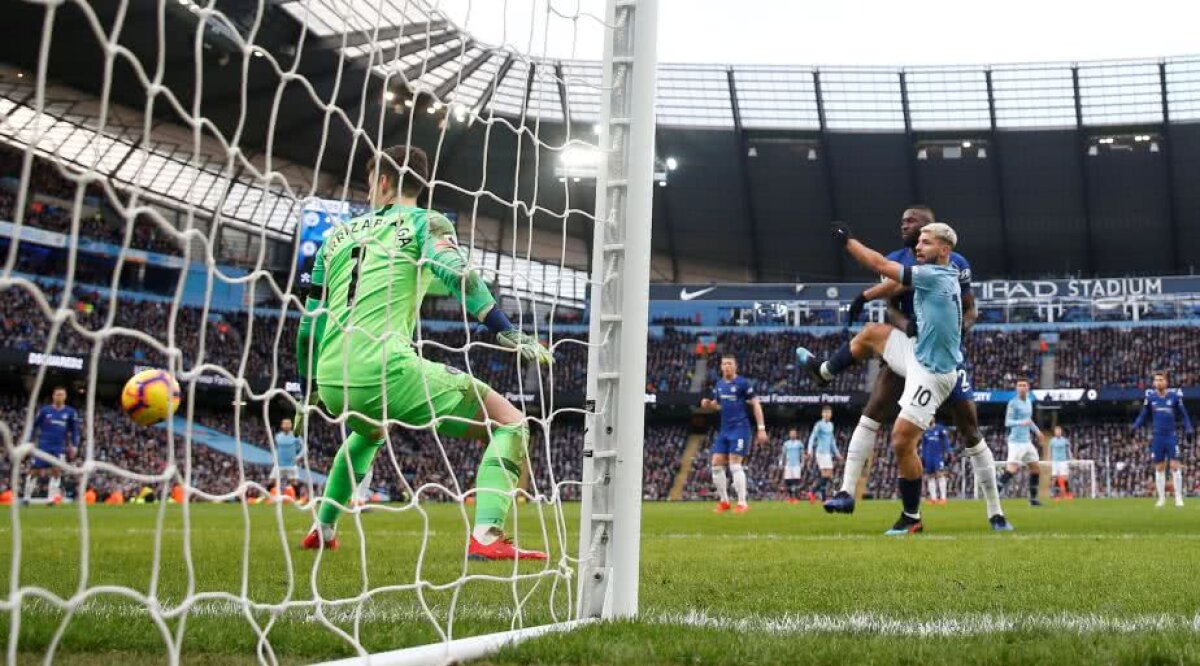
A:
[150,396]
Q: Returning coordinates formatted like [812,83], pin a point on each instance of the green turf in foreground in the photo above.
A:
[1087,582]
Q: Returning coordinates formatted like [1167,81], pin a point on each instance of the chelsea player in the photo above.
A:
[732,444]
[1164,445]
[935,445]
[55,424]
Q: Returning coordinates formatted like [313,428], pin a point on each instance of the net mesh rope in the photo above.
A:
[172,600]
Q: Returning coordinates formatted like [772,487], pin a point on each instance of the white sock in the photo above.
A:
[1160,483]
[983,464]
[327,531]
[1177,481]
[862,442]
[30,481]
[932,484]
[739,481]
[941,481]
[722,483]
[485,534]
[55,487]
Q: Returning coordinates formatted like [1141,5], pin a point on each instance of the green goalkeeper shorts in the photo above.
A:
[418,393]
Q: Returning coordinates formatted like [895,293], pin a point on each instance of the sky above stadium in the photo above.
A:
[852,32]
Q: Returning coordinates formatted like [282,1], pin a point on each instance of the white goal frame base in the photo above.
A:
[459,650]
[1047,467]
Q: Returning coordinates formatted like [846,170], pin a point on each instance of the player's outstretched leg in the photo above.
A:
[881,408]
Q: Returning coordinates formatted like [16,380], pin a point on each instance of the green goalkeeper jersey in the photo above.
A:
[371,274]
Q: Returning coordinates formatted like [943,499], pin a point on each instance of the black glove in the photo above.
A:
[856,308]
[841,232]
[910,329]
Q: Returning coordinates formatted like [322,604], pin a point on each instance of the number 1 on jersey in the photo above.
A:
[352,289]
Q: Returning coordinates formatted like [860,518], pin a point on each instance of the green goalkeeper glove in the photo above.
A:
[526,345]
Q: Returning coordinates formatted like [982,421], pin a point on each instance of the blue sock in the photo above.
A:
[1034,481]
[910,496]
[837,363]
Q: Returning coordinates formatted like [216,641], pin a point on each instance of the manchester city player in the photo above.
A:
[1060,463]
[935,446]
[929,364]
[731,396]
[882,406]
[1164,403]
[823,446]
[1021,446]
[793,465]
[288,450]
[57,428]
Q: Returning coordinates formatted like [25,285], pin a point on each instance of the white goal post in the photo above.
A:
[1082,476]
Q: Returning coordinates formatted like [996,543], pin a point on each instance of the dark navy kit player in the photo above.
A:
[734,397]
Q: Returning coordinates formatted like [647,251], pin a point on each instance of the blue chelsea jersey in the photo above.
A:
[733,394]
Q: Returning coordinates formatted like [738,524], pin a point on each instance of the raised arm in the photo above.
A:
[870,259]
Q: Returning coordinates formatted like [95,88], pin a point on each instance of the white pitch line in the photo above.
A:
[968,624]
[982,535]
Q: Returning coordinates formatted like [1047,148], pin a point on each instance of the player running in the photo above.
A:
[370,277]
[57,428]
[929,365]
[883,406]
[1060,464]
[732,443]
[935,446]
[823,445]
[1021,449]
[288,451]
[1164,444]
[793,465]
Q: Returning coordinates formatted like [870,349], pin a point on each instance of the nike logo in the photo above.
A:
[685,295]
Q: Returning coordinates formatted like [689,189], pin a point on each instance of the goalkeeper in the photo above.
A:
[370,276]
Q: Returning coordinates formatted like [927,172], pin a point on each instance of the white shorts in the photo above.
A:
[1022,453]
[1061,468]
[924,391]
[824,461]
[291,472]
[793,472]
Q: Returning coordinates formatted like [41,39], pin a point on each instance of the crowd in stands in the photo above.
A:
[1126,357]
[997,359]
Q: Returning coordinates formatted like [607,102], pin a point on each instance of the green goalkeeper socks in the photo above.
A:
[361,452]
[498,474]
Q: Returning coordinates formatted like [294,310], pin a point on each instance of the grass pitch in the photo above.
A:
[1086,582]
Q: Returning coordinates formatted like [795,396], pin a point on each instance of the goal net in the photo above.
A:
[171,171]
[1080,475]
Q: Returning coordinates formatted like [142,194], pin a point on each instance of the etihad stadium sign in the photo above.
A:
[991,290]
